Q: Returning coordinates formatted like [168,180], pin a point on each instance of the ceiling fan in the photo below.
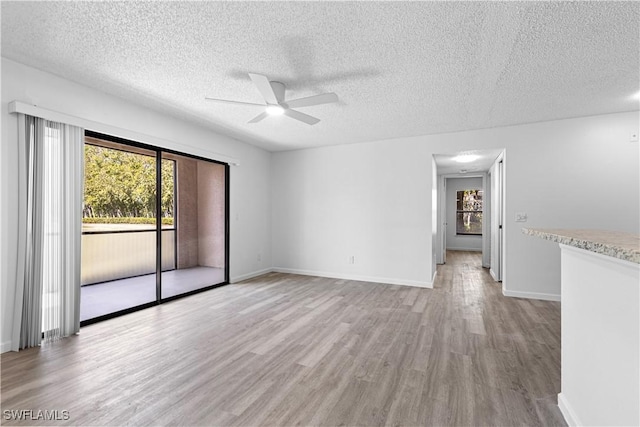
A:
[275,105]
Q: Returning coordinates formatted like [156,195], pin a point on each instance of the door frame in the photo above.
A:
[493,232]
[497,179]
[441,253]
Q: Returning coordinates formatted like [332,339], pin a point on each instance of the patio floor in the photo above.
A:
[109,297]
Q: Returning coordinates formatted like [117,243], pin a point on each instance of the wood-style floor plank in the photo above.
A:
[284,349]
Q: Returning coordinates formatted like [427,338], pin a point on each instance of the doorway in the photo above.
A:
[470,217]
[464,213]
[155,226]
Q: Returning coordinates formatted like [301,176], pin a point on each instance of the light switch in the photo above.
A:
[521,217]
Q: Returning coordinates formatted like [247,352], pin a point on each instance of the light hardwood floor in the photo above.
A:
[296,350]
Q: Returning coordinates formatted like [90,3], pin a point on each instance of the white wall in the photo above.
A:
[250,232]
[600,343]
[455,241]
[373,200]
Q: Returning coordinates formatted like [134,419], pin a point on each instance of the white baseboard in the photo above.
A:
[250,275]
[531,295]
[5,346]
[493,274]
[414,283]
[568,413]
[465,249]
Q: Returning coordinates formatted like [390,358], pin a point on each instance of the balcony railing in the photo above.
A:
[117,254]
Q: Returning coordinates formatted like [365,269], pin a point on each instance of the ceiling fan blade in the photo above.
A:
[232,102]
[301,116]
[259,117]
[263,85]
[324,98]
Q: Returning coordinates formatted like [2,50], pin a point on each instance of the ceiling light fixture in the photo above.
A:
[466,158]
[273,95]
[274,110]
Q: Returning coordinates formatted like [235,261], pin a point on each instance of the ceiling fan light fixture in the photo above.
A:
[274,102]
[274,110]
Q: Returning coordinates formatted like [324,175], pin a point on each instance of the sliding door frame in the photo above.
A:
[159,225]
[159,151]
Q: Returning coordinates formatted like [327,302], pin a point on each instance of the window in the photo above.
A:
[469,212]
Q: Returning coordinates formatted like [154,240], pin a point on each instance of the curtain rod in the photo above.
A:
[56,116]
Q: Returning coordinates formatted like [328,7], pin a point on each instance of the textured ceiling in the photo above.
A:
[399,68]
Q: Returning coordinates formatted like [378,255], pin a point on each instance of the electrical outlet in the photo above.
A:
[352,259]
[259,257]
[633,137]
[521,217]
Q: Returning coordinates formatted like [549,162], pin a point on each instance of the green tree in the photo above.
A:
[123,184]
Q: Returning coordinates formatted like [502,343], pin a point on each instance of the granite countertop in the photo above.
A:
[615,244]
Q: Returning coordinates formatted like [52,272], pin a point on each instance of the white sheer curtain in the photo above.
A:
[50,191]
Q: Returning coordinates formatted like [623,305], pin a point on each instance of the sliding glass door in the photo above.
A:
[200,222]
[118,228]
[154,226]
